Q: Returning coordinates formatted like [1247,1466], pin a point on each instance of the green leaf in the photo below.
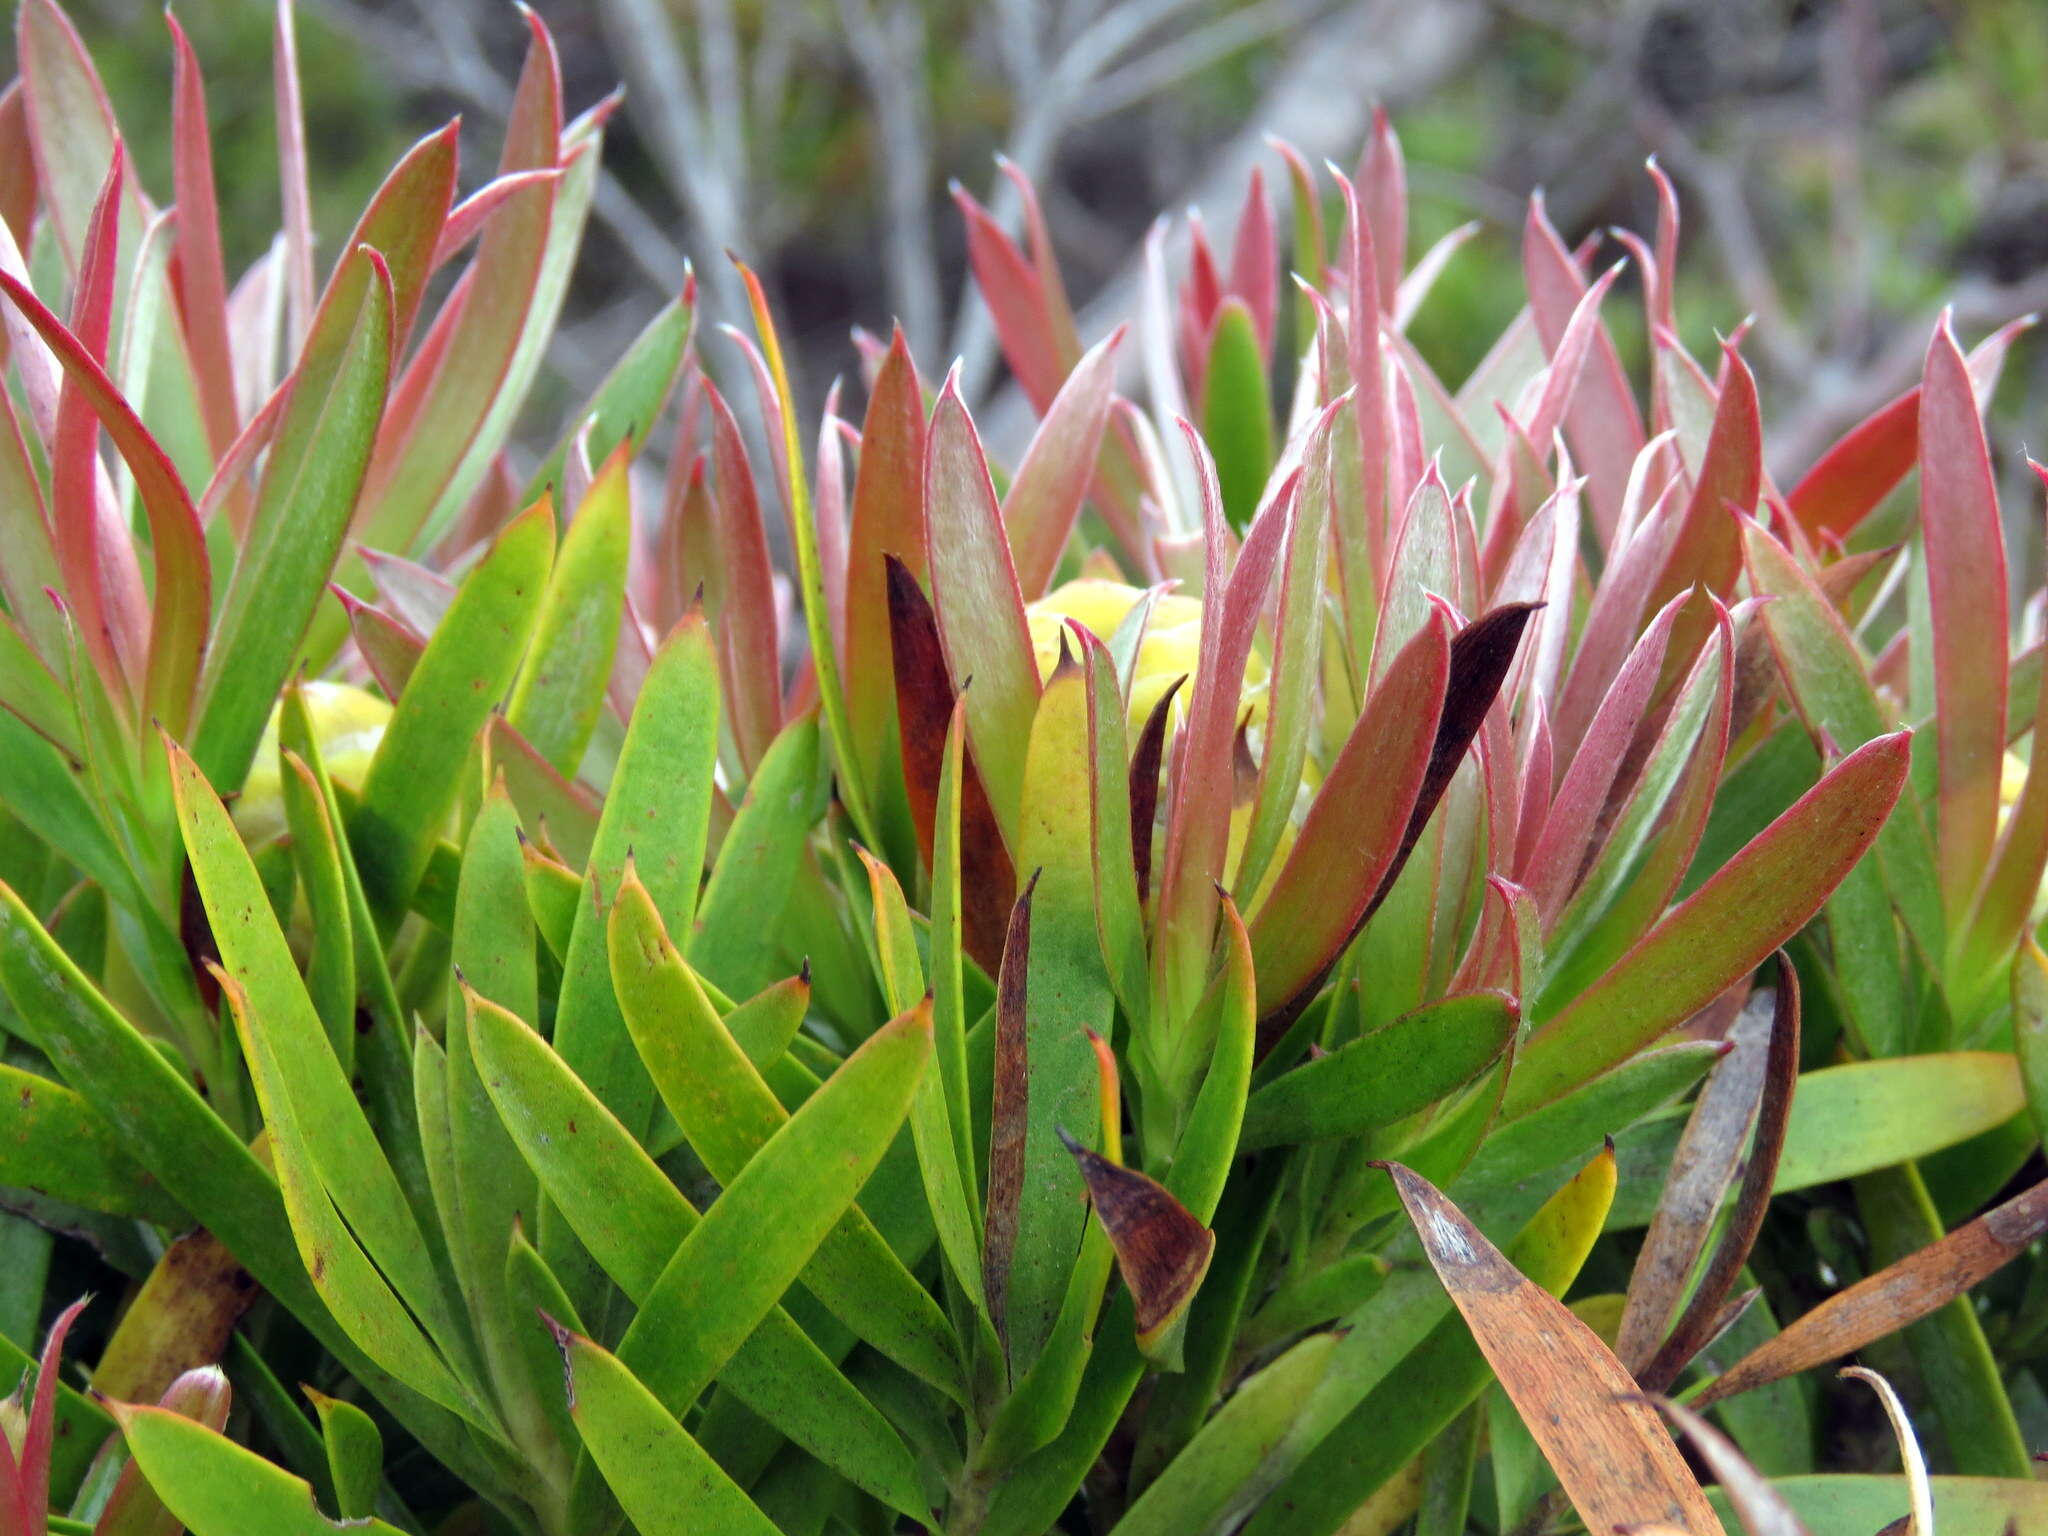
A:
[664,1481]
[1385,1076]
[764,1229]
[1066,994]
[331,967]
[54,1142]
[493,951]
[656,811]
[417,774]
[803,524]
[355,1454]
[757,864]
[953,1208]
[1237,412]
[326,1149]
[1229,1448]
[1855,1504]
[1213,1136]
[561,689]
[731,1117]
[625,407]
[216,1488]
[307,496]
[1847,1120]
[632,1220]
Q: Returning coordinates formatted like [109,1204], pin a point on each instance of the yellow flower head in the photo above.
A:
[1171,647]
[348,722]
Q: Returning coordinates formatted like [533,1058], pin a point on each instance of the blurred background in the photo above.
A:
[1845,166]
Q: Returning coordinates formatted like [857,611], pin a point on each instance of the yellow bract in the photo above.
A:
[1171,647]
[348,722]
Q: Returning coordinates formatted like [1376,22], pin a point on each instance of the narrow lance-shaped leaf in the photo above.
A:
[1385,1076]
[925,709]
[1959,524]
[217,1488]
[417,773]
[656,813]
[1748,908]
[741,591]
[1699,1319]
[664,1480]
[183,593]
[887,520]
[1045,495]
[769,1220]
[1883,1303]
[560,693]
[301,513]
[979,604]
[1607,1446]
[632,1219]
[810,572]
[730,1115]
[1327,886]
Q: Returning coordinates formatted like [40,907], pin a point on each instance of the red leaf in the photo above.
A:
[1604,423]
[742,592]
[1355,827]
[888,519]
[1749,907]
[1255,262]
[979,604]
[1046,493]
[1966,586]
[202,278]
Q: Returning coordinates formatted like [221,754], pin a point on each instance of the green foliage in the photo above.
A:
[1059,1057]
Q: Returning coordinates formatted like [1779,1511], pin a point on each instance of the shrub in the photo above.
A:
[1154,1012]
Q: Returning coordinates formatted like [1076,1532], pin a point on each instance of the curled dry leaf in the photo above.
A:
[1921,1519]
[1162,1251]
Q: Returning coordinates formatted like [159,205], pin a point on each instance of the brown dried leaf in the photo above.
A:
[1606,1444]
[1899,1294]
[1162,1251]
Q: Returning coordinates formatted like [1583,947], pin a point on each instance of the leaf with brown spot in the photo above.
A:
[1162,1251]
[924,712]
[1899,1294]
[179,1320]
[1607,1446]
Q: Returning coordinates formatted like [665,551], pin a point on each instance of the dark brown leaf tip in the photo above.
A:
[1161,1250]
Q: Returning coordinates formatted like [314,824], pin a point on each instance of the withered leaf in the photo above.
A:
[1607,1445]
[1899,1294]
[1161,1250]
